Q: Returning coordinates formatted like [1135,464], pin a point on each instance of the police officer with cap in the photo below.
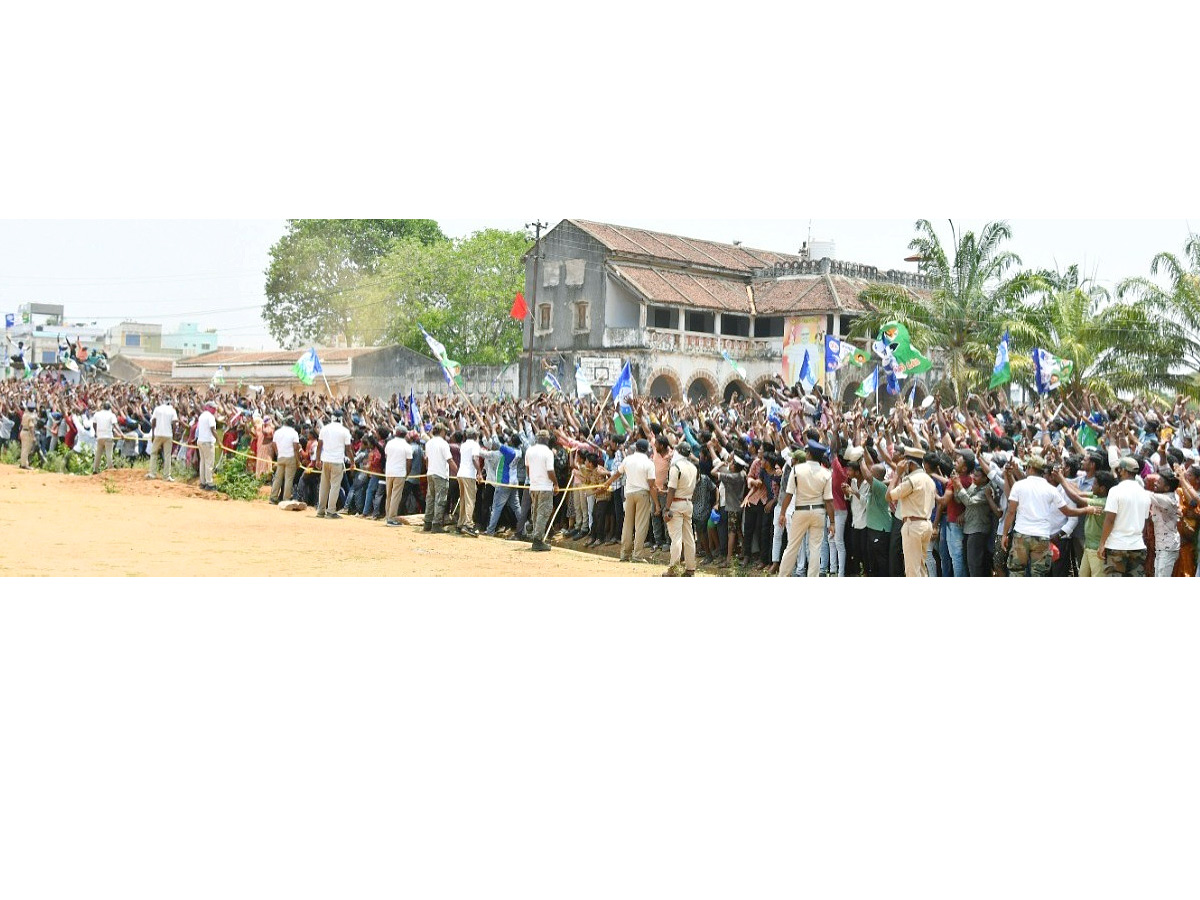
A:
[681,483]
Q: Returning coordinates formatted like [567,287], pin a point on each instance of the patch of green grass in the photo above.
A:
[238,484]
[110,486]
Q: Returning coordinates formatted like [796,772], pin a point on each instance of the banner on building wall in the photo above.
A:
[601,370]
[800,334]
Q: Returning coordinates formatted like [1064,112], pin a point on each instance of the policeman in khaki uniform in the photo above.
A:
[914,494]
[811,485]
[28,424]
[681,483]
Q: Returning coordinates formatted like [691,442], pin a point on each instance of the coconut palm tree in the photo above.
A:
[974,297]
[1115,346]
[1177,304]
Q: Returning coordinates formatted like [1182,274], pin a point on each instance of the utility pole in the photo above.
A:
[537,255]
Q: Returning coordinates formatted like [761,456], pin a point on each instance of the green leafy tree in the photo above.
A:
[1175,304]
[974,297]
[1115,346]
[460,290]
[319,269]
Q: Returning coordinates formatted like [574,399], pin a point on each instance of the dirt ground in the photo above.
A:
[120,524]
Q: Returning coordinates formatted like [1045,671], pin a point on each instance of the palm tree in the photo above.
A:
[1177,305]
[974,298]
[1114,346]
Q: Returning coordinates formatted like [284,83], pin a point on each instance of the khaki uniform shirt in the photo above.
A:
[916,494]
[682,476]
[810,484]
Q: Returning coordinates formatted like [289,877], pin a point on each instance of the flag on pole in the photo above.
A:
[550,383]
[414,411]
[1002,371]
[837,353]
[870,384]
[583,385]
[738,369]
[519,309]
[450,369]
[623,421]
[894,347]
[1049,371]
[218,378]
[624,384]
[307,367]
[806,377]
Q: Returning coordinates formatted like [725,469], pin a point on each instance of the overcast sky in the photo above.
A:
[211,271]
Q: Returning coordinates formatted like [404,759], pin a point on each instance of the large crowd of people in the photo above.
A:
[785,484]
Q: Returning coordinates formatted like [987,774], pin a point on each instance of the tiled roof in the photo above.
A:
[794,295]
[156,365]
[639,242]
[684,289]
[266,357]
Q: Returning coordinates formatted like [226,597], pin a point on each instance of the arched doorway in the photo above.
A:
[737,389]
[701,389]
[665,386]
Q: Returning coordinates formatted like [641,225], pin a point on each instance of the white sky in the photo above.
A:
[211,271]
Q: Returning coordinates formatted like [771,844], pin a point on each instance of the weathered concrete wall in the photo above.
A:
[397,370]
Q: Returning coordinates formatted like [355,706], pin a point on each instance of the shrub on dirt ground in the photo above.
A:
[238,484]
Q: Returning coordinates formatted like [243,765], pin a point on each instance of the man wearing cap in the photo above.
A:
[104,421]
[810,485]
[681,482]
[287,445]
[1122,549]
[914,494]
[333,444]
[28,426]
[206,441]
[1034,509]
[641,500]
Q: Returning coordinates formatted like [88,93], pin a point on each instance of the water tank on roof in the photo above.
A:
[822,250]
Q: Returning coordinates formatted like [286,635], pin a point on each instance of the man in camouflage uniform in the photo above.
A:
[1029,553]
[1125,510]
[1028,523]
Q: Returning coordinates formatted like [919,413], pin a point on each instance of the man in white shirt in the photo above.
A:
[437,485]
[397,452]
[539,462]
[469,455]
[162,422]
[333,443]
[206,440]
[1035,513]
[287,447]
[641,500]
[1121,546]
[104,422]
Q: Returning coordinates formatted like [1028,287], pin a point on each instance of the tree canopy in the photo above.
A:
[318,268]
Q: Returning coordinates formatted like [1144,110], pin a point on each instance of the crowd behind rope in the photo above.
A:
[787,484]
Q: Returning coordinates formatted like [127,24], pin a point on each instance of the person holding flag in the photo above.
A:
[1002,370]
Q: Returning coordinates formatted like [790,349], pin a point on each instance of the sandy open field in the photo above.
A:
[120,524]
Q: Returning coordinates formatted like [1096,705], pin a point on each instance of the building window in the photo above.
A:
[768,326]
[133,340]
[581,317]
[49,356]
[703,322]
[663,317]
[544,317]
[736,326]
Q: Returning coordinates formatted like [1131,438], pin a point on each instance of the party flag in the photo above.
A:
[1002,371]
[307,367]
[870,384]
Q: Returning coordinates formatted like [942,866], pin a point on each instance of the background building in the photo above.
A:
[190,340]
[671,305]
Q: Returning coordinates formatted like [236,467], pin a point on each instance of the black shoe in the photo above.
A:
[438,529]
[540,547]
[332,516]
[393,523]
[320,515]
[427,528]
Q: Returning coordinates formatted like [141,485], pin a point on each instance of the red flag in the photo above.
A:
[519,309]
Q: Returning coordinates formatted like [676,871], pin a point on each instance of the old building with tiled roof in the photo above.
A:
[672,304]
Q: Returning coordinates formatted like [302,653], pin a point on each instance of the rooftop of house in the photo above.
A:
[224,356]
